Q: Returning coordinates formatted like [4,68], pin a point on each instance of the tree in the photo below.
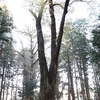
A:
[28,62]
[48,76]
[66,53]
[81,50]
[95,57]
[75,47]
[49,73]
[6,24]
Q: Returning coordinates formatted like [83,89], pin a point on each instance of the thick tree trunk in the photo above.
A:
[48,77]
[52,81]
[57,87]
[42,62]
[55,47]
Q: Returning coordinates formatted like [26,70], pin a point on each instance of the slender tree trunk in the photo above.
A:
[71,80]
[86,81]
[16,86]
[76,82]
[12,88]
[2,80]
[69,87]
[3,94]
[81,80]
[7,94]
[96,84]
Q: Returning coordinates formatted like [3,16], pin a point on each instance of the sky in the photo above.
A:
[22,17]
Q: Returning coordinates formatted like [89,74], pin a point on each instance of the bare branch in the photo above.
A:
[72,2]
[79,1]
[57,4]
[35,62]
[19,53]
[31,11]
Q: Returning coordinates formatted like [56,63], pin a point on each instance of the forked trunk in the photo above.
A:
[48,77]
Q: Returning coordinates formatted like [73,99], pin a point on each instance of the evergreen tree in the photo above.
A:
[6,23]
[6,58]
[96,57]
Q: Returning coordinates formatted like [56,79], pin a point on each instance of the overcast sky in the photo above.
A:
[22,17]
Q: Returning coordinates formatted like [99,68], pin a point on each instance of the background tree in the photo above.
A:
[28,62]
[75,46]
[95,57]
[6,24]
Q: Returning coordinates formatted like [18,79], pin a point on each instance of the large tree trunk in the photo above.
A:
[55,47]
[42,62]
[48,76]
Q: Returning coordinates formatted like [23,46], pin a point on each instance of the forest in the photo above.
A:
[55,55]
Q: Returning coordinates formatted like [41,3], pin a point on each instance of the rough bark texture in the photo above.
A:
[42,62]
[48,76]
[55,47]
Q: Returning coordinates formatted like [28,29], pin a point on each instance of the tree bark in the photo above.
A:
[42,62]
[49,76]
[86,81]
[71,79]
[96,83]
[81,80]
[69,87]
[55,48]
[2,80]
[76,82]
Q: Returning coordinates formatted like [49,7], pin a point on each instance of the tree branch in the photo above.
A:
[57,4]
[61,28]
[31,11]
[53,29]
